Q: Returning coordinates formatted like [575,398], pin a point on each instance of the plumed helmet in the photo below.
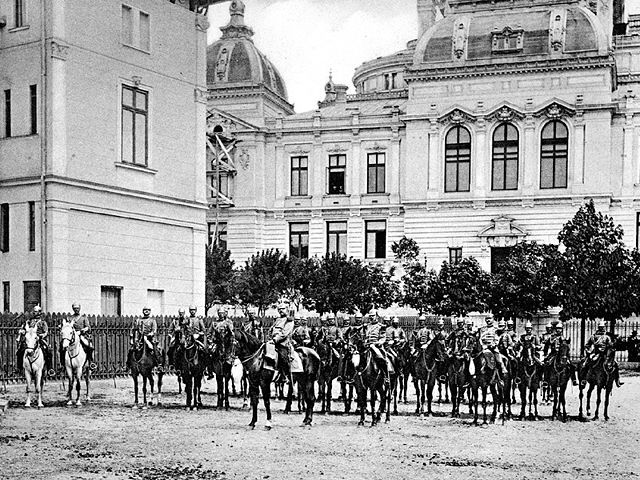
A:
[37,309]
[549,325]
[501,324]
[528,325]
[422,317]
[440,321]
[358,315]
[559,325]
[396,320]
[75,305]
[509,322]
[330,316]
[601,324]
[460,321]
[181,310]
[146,307]
[282,306]
[222,310]
[192,307]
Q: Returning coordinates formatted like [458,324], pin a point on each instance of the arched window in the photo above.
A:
[457,159]
[554,147]
[504,166]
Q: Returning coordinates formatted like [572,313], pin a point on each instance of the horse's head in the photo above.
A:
[527,354]
[68,333]
[31,339]
[562,356]
[609,355]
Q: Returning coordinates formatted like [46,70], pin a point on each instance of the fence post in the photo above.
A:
[583,327]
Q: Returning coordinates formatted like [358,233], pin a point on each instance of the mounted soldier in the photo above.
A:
[374,340]
[424,335]
[552,348]
[595,349]
[489,341]
[301,335]
[346,326]
[253,325]
[511,331]
[281,333]
[193,327]
[547,334]
[82,326]
[395,337]
[457,342]
[146,328]
[174,330]
[468,325]
[221,333]
[529,340]
[439,333]
[331,334]
[506,342]
[42,330]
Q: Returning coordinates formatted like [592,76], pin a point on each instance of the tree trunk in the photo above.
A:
[612,329]
[583,328]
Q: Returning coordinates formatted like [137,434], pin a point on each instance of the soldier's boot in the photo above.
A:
[616,377]
[20,360]
[48,363]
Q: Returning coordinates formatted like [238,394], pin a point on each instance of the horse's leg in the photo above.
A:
[362,403]
[535,403]
[386,399]
[87,380]
[219,390]
[227,377]
[69,386]
[310,399]
[27,402]
[598,398]
[266,399]
[591,387]
[562,401]
[484,404]
[253,395]
[373,406]
[430,386]
[497,400]
[159,394]
[580,396]
[245,389]
[416,384]
[287,407]
[607,394]
[134,375]
[38,387]
[523,399]
[454,396]
[473,403]
[78,378]
[188,389]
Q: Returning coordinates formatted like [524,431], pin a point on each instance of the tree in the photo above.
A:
[406,250]
[459,288]
[263,279]
[219,287]
[301,273]
[417,287]
[378,288]
[597,274]
[526,284]
[336,284]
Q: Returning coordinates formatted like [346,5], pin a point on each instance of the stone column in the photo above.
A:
[435,181]
[479,184]
[529,158]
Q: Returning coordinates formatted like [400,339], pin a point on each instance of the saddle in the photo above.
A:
[488,360]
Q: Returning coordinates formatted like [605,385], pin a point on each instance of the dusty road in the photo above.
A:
[107,439]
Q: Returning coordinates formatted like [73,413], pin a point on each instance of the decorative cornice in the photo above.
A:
[375,147]
[523,67]
[555,111]
[338,148]
[506,114]
[202,22]
[200,95]
[298,149]
[457,117]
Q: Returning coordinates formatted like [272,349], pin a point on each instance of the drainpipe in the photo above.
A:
[44,290]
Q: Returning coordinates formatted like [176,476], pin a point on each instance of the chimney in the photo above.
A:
[341,93]
[426,16]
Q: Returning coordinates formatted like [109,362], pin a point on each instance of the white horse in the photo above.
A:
[33,365]
[75,361]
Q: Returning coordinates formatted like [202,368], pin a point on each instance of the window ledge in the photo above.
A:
[298,197]
[138,168]
[18,29]
[336,195]
[382,194]
[19,136]
[138,49]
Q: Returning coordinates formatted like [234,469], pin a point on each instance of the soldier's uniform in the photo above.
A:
[301,336]
[146,328]
[281,333]
[81,324]
[506,344]
[374,339]
[395,336]
[193,327]
[422,337]
[458,340]
[254,327]
[489,342]
[223,332]
[596,347]
[42,330]
[529,340]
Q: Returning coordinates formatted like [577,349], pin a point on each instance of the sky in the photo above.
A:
[306,39]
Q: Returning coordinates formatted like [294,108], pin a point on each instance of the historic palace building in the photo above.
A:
[493,126]
[102,142]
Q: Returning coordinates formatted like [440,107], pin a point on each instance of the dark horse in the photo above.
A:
[329,369]
[600,375]
[190,363]
[528,378]
[457,376]
[251,353]
[487,378]
[559,373]
[425,372]
[221,362]
[370,377]
[141,362]
[404,369]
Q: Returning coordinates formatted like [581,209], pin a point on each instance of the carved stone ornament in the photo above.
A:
[459,40]
[300,150]
[507,40]
[202,23]
[137,80]
[376,147]
[228,125]
[200,95]
[244,159]
[502,231]
[59,50]
[221,63]
[457,117]
[555,111]
[506,114]
[338,148]
[556,31]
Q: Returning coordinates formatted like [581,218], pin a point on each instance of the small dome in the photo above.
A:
[493,33]
[234,60]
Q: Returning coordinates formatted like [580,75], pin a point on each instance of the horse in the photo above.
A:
[424,367]
[486,379]
[370,377]
[602,376]
[329,370]
[559,372]
[404,369]
[142,363]
[251,351]
[457,368]
[33,365]
[75,361]
[190,363]
[528,377]
[347,375]
[221,360]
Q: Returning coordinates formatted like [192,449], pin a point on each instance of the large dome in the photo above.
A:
[499,31]
[235,61]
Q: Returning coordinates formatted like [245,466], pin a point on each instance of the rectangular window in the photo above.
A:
[127,25]
[299,176]
[20,17]
[111,300]
[155,301]
[31,295]
[638,230]
[455,254]
[299,240]
[337,237]
[376,239]
[33,89]
[6,297]
[32,226]
[134,125]
[7,113]
[375,172]
[219,237]
[4,227]
[336,175]
[145,32]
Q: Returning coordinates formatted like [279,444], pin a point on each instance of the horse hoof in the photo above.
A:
[69,403]
[606,419]
[135,407]
[78,404]
[144,407]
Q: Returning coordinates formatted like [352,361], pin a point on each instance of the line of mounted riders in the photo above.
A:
[374,357]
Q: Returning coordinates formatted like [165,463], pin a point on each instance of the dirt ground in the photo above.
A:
[107,439]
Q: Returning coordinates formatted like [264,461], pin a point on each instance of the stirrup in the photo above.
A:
[93,366]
